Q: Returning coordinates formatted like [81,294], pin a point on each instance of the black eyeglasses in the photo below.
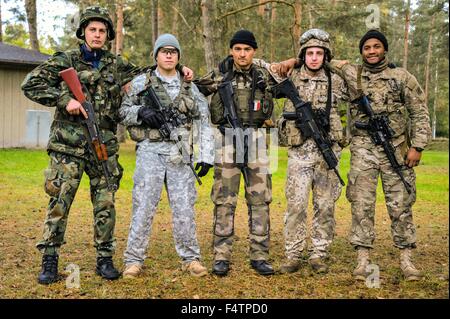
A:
[166,51]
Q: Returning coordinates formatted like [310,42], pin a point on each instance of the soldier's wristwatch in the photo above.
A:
[419,149]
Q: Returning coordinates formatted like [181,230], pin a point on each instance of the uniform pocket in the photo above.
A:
[293,134]
[217,110]
[52,184]
[397,118]
[350,191]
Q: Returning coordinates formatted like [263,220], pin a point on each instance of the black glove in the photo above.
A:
[204,168]
[150,117]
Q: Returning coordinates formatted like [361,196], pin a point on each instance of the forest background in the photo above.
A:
[417,32]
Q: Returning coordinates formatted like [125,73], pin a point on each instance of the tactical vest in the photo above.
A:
[184,104]
[385,91]
[321,99]
[103,87]
[251,111]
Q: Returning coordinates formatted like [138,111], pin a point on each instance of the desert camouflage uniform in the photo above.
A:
[227,173]
[159,163]
[307,169]
[68,146]
[395,92]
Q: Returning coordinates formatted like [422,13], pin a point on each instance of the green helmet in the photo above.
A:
[315,38]
[95,13]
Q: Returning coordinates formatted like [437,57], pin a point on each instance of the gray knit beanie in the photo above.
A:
[166,40]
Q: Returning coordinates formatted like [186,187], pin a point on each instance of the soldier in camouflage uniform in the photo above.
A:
[394,92]
[254,105]
[102,75]
[307,169]
[159,161]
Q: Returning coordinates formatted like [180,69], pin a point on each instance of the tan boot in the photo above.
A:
[409,270]
[132,271]
[290,266]
[195,268]
[360,272]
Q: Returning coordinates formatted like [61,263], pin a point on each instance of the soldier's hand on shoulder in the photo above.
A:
[284,68]
[127,88]
[188,74]
[75,108]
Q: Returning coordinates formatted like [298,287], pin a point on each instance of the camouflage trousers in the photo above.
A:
[258,195]
[367,163]
[307,171]
[62,178]
[152,172]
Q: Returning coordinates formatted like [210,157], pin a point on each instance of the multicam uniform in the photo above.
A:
[68,147]
[159,162]
[394,92]
[227,170]
[307,169]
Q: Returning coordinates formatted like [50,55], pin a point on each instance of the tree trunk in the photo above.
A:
[30,8]
[311,19]
[154,8]
[208,33]
[1,30]
[119,27]
[429,53]
[273,15]
[436,84]
[118,48]
[161,22]
[297,25]
[176,7]
[113,14]
[406,43]
[261,9]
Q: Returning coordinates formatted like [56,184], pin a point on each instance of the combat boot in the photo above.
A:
[290,266]
[262,267]
[49,272]
[360,272]
[221,267]
[410,272]
[318,265]
[195,268]
[132,271]
[105,268]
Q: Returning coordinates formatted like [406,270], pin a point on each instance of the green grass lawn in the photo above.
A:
[23,206]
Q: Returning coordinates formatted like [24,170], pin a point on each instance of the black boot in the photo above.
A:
[105,268]
[262,267]
[49,272]
[221,267]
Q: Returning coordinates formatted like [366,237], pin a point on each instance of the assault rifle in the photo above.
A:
[96,142]
[227,97]
[381,134]
[169,127]
[306,122]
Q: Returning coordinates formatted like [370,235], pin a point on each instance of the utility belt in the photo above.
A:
[140,133]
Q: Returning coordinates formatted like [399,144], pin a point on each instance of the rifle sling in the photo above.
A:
[329,94]
[358,81]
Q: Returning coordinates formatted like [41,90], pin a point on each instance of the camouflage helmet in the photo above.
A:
[95,13]
[315,38]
